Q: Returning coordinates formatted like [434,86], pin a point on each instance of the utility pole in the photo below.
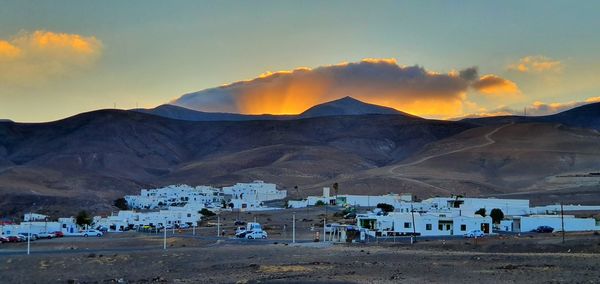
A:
[218,225]
[412,212]
[562,222]
[165,235]
[294,228]
[324,227]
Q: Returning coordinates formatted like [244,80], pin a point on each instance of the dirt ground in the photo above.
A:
[133,257]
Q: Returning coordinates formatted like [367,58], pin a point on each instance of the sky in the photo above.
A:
[437,59]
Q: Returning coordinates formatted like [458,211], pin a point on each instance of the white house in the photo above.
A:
[423,224]
[257,190]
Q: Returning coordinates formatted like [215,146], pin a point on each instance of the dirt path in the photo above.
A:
[489,141]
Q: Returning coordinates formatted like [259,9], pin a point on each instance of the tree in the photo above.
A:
[206,213]
[497,215]
[320,203]
[481,212]
[83,218]
[385,207]
[121,203]
[336,187]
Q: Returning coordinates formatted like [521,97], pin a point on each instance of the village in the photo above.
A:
[359,217]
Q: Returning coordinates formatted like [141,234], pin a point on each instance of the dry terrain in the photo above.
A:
[133,257]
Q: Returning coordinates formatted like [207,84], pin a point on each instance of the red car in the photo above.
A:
[58,234]
[13,239]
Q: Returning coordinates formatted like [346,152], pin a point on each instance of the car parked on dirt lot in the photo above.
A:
[46,235]
[256,235]
[474,234]
[91,233]
[4,240]
[14,239]
[33,235]
[543,229]
[59,234]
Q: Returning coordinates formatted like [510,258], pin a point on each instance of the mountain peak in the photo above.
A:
[348,106]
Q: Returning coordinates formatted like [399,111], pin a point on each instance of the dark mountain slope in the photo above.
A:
[95,157]
[586,116]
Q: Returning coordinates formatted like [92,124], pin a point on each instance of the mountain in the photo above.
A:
[88,160]
[586,116]
[548,162]
[347,106]
[343,106]
[181,113]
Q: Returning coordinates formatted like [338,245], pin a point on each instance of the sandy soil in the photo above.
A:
[204,258]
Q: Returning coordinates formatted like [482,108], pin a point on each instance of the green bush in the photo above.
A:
[206,213]
[320,203]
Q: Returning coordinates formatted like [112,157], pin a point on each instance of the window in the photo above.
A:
[406,225]
[440,227]
[428,227]
[189,215]
[463,227]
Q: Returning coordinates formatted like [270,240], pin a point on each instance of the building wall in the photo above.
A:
[571,224]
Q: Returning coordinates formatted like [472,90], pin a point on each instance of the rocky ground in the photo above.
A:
[139,258]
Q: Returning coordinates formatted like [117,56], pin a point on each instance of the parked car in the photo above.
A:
[102,229]
[23,238]
[240,232]
[59,234]
[14,239]
[4,240]
[46,235]
[184,226]
[474,234]
[239,223]
[33,235]
[256,235]
[543,229]
[88,233]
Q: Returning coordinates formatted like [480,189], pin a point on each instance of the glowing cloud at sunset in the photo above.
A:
[29,58]
[411,89]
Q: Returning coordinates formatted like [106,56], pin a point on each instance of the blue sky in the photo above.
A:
[151,52]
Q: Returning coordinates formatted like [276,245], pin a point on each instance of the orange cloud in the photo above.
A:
[493,85]
[381,81]
[411,89]
[30,58]
[8,51]
[536,64]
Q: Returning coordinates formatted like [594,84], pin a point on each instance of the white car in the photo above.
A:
[46,235]
[91,233]
[256,235]
[474,234]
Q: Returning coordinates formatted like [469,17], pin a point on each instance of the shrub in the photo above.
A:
[385,207]
[121,203]
[206,213]
[320,203]
[481,212]
[497,215]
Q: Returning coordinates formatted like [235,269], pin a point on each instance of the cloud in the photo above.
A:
[412,89]
[30,58]
[537,108]
[536,64]
[493,85]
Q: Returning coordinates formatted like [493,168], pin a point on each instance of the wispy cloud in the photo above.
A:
[537,108]
[412,89]
[29,58]
[536,64]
